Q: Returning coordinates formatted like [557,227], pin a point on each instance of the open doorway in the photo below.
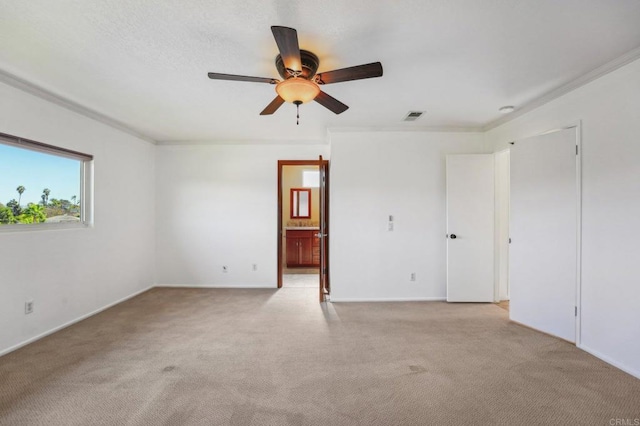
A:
[299,224]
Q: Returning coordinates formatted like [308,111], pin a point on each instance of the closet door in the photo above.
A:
[544,233]
[470,225]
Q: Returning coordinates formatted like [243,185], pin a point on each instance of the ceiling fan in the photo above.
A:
[300,83]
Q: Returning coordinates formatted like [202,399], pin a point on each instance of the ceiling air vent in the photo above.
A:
[413,115]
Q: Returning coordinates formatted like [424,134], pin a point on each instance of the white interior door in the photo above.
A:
[502,225]
[470,228]
[544,219]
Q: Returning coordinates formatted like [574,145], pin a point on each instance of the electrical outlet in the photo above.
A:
[413,276]
[28,307]
[225,269]
[390,226]
[254,267]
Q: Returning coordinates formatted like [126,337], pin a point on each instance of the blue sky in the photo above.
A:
[36,171]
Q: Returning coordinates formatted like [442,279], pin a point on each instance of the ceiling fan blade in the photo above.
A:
[273,106]
[330,103]
[218,76]
[287,41]
[352,73]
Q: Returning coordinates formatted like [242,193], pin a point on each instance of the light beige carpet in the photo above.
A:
[277,357]
[301,280]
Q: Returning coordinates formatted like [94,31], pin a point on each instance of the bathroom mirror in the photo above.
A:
[300,203]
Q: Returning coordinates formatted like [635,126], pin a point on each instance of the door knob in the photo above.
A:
[453,236]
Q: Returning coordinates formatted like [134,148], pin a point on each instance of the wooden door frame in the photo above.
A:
[281,164]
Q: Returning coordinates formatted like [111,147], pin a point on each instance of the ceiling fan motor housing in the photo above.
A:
[310,63]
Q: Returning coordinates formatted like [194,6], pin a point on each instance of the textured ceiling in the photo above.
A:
[144,63]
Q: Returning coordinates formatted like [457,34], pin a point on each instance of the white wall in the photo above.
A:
[609,109]
[218,205]
[377,174]
[71,273]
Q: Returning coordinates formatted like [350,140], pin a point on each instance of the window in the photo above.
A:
[310,178]
[42,185]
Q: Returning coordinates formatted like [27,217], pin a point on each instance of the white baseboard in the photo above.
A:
[387,299]
[67,324]
[239,286]
[613,362]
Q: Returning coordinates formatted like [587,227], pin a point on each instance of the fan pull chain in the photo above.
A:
[297,114]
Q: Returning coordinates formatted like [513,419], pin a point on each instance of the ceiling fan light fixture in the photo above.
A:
[298,68]
[297,89]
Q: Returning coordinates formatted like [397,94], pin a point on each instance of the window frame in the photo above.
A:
[85,190]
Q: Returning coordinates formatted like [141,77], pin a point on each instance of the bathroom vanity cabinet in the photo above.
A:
[303,248]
